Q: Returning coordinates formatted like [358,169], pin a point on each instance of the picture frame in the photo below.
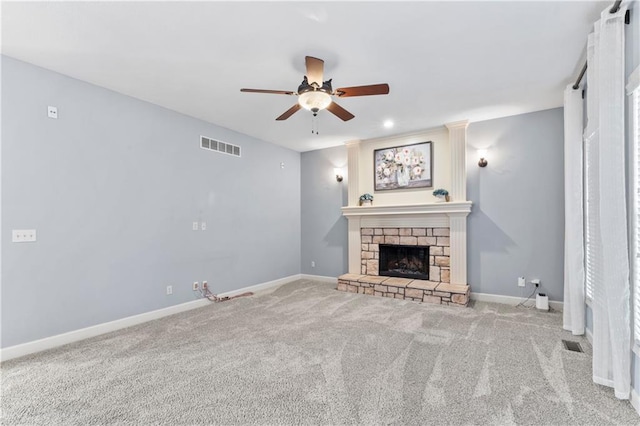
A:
[403,167]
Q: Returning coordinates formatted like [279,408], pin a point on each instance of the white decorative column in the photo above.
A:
[458,147]
[353,170]
[458,247]
[355,262]
[458,222]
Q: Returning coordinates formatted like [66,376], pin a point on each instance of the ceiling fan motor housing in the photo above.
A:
[306,87]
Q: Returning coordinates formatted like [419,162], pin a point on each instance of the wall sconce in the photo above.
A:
[482,153]
[338,173]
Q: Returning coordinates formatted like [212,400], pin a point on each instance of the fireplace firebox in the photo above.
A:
[404,261]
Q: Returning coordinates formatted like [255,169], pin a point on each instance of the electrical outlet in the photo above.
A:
[195,286]
[521,282]
[536,282]
[169,289]
[203,226]
[313,264]
[23,235]
[205,286]
[194,226]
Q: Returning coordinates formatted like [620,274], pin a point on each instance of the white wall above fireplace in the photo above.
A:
[441,172]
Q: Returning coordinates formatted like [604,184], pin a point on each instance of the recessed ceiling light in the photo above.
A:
[388,124]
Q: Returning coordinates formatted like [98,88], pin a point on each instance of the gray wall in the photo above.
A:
[516,227]
[324,229]
[112,188]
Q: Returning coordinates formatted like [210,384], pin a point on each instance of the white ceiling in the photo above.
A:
[444,61]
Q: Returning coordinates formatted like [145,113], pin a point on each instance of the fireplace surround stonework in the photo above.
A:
[409,219]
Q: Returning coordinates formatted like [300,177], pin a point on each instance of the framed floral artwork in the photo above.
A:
[403,167]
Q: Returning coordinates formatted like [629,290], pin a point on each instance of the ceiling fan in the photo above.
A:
[315,95]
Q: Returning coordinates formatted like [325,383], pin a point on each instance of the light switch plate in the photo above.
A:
[23,235]
[52,112]
[195,226]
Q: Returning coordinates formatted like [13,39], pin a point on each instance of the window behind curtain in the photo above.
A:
[591,236]
[635,215]
[588,254]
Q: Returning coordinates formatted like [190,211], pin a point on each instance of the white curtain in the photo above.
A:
[607,250]
[574,280]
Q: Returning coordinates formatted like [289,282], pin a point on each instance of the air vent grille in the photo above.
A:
[572,346]
[222,147]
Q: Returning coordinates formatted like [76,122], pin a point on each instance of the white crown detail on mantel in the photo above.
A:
[459,207]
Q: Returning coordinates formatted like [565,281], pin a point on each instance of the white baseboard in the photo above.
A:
[262,286]
[510,300]
[96,330]
[589,335]
[28,348]
[333,280]
[635,400]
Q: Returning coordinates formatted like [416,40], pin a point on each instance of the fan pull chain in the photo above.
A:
[314,124]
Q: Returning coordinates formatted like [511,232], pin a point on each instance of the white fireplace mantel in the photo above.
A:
[459,207]
[452,215]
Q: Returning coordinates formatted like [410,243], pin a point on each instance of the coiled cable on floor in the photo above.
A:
[214,298]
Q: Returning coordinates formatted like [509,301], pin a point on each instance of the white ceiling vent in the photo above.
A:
[223,147]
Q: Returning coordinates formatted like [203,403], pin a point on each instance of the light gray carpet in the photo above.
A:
[308,354]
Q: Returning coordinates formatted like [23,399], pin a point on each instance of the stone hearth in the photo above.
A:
[406,289]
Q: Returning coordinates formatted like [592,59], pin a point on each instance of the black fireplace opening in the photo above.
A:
[404,261]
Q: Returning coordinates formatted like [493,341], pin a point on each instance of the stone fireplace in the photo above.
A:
[438,228]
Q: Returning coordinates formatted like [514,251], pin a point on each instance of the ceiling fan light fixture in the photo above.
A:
[314,100]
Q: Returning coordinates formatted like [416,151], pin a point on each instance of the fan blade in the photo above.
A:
[315,69]
[275,92]
[288,113]
[339,112]
[372,89]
